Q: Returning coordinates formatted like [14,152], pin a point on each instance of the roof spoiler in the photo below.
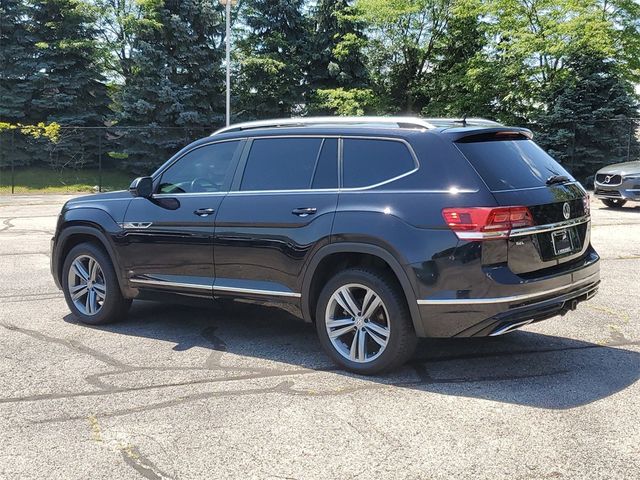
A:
[468,135]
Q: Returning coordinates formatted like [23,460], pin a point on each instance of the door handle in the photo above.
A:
[204,212]
[304,211]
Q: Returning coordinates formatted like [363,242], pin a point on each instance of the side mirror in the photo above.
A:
[141,187]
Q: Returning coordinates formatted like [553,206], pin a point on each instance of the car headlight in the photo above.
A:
[632,177]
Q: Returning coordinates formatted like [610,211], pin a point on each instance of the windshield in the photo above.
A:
[511,164]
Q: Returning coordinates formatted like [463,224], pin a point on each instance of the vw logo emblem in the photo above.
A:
[607,179]
[566,211]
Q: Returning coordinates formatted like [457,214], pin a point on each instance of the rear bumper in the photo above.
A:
[517,305]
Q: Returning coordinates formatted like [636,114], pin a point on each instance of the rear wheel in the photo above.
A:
[91,287]
[363,322]
[613,202]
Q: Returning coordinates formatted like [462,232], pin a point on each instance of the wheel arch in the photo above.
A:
[315,270]
[73,235]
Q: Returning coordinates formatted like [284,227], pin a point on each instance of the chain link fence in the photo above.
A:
[86,159]
[96,159]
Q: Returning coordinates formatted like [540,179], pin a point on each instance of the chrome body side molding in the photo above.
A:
[212,288]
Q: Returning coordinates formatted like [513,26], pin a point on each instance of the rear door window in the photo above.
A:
[511,164]
[291,164]
[369,162]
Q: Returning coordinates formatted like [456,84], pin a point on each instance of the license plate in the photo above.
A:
[562,242]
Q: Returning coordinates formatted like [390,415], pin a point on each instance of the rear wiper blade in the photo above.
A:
[557,179]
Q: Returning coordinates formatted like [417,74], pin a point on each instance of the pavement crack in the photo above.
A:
[278,388]
[130,453]
[69,343]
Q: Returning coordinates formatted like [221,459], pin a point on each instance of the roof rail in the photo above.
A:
[395,122]
[471,122]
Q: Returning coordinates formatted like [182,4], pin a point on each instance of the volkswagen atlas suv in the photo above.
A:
[378,230]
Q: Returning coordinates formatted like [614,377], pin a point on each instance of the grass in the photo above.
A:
[45,180]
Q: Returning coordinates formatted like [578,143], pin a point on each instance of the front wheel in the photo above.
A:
[363,322]
[613,202]
[91,287]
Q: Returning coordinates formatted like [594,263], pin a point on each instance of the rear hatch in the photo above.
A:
[519,173]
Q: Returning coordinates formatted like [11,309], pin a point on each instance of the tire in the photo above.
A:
[106,304]
[613,202]
[390,320]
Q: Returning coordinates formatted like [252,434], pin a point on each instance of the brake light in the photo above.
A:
[486,223]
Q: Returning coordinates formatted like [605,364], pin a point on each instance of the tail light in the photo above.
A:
[486,223]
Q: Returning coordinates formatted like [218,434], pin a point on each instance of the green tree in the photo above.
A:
[338,77]
[404,36]
[17,67]
[272,59]
[18,62]
[71,87]
[461,82]
[532,42]
[118,23]
[64,77]
[175,90]
[590,124]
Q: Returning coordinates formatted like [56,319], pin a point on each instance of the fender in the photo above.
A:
[351,247]
[94,227]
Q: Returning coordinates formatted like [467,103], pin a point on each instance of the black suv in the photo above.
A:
[380,230]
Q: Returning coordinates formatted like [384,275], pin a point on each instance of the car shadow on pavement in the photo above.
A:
[522,368]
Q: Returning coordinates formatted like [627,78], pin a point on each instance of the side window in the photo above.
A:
[368,161]
[206,169]
[291,164]
[326,174]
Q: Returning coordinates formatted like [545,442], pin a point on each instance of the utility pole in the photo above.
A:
[227,4]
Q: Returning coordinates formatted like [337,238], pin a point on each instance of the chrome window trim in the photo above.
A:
[213,288]
[186,194]
[281,192]
[453,191]
[519,232]
[416,162]
[341,138]
[509,299]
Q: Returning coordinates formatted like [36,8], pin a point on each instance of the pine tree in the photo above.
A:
[176,89]
[338,77]
[71,90]
[590,120]
[17,62]
[17,88]
[272,58]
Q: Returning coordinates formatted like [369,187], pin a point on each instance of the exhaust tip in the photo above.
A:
[509,328]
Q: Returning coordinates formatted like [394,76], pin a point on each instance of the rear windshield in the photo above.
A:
[511,164]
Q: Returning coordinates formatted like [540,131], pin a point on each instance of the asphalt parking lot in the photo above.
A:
[244,391]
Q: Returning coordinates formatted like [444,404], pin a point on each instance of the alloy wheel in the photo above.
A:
[357,323]
[87,285]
